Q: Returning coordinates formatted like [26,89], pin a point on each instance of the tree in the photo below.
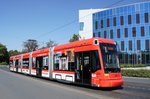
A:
[4,56]
[14,52]
[30,45]
[75,37]
[51,43]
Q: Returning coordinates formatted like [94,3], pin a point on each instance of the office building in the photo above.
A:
[128,25]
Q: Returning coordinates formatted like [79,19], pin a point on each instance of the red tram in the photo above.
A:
[91,62]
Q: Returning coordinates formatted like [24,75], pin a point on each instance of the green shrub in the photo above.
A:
[3,63]
[136,73]
[131,65]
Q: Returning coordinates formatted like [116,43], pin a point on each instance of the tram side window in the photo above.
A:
[45,63]
[56,62]
[63,63]
[95,63]
[86,62]
[89,59]
[11,63]
[71,64]
[60,62]
[33,63]
[25,63]
[19,64]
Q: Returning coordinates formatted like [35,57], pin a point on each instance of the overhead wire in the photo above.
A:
[68,24]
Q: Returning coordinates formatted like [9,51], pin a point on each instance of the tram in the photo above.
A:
[92,62]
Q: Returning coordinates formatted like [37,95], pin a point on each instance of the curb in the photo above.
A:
[136,77]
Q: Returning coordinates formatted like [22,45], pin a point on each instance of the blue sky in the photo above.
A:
[41,19]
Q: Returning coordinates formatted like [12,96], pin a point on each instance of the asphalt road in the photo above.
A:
[18,86]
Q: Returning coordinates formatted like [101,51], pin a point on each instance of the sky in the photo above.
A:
[43,20]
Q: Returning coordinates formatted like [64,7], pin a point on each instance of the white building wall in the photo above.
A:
[86,16]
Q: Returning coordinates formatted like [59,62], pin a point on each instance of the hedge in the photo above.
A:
[131,65]
[137,73]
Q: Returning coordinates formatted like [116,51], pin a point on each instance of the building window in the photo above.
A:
[149,30]
[118,33]
[147,45]
[101,23]
[138,45]
[105,34]
[126,32]
[142,31]
[146,17]
[81,26]
[107,22]
[111,34]
[121,20]
[130,45]
[96,25]
[137,18]
[114,21]
[134,32]
[129,19]
[93,34]
[122,45]
[99,34]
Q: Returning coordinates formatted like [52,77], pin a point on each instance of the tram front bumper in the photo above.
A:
[111,83]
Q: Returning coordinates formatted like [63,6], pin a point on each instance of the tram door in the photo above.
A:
[39,63]
[83,71]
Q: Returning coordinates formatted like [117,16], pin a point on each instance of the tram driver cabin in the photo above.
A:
[91,62]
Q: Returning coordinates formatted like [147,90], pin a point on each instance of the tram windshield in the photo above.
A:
[110,58]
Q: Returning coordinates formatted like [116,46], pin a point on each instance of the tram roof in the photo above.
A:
[83,43]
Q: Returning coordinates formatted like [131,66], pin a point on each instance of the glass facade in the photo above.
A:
[129,26]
